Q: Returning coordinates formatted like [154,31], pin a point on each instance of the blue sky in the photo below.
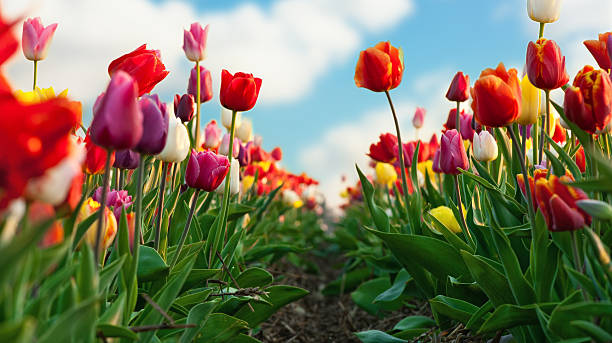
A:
[305,51]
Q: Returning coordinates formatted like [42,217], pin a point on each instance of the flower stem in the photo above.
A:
[102,205]
[577,263]
[400,152]
[197,137]
[226,191]
[526,178]
[545,127]
[458,119]
[160,205]
[541,34]
[194,203]
[138,229]
[121,178]
[35,74]
[462,219]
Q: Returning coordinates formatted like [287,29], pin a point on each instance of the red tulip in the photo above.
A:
[385,150]
[451,120]
[8,46]
[600,49]
[580,159]
[459,89]
[434,145]
[520,180]
[559,133]
[239,91]
[380,68]
[588,102]
[145,66]
[452,153]
[496,97]
[546,64]
[95,159]
[557,201]
[184,107]
[277,154]
[206,170]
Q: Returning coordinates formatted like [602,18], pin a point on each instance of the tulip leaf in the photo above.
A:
[397,289]
[278,296]
[450,236]
[151,266]
[221,328]
[557,167]
[489,279]
[83,227]
[544,259]
[453,308]
[508,316]
[70,323]
[375,336]
[109,330]
[594,331]
[594,185]
[261,251]
[254,277]
[378,215]
[569,162]
[414,322]
[347,282]
[197,315]
[566,313]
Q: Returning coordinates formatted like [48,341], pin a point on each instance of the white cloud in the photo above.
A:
[290,44]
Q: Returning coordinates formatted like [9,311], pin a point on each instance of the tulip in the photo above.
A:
[117,119]
[459,89]
[380,68]
[452,153]
[212,135]
[118,201]
[206,170]
[496,97]
[277,154]
[244,155]
[205,84]
[465,123]
[247,183]
[155,125]
[580,159]
[385,174]
[177,142]
[435,165]
[600,49]
[258,154]
[544,11]
[538,174]
[546,64]
[36,39]
[445,216]
[385,150]
[226,119]
[557,201]
[194,42]
[433,145]
[126,159]
[234,179]
[291,198]
[257,140]
[95,158]
[588,102]
[239,91]
[38,213]
[145,66]
[224,147]
[419,117]
[558,134]
[451,119]
[485,147]
[245,131]
[109,228]
[184,107]
[530,107]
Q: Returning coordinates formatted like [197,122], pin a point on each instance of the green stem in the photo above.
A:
[541,34]
[121,178]
[160,205]
[577,263]
[197,137]
[535,138]
[35,74]
[465,228]
[400,149]
[138,228]
[102,205]
[458,119]
[525,178]
[177,253]
[226,191]
[543,140]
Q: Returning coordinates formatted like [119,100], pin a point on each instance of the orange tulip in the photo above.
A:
[588,102]
[557,201]
[380,68]
[496,97]
[546,64]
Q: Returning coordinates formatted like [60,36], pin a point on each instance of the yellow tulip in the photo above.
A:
[531,103]
[426,168]
[110,224]
[39,95]
[247,182]
[385,174]
[446,216]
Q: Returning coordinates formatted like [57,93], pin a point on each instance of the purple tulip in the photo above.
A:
[436,162]
[206,170]
[117,119]
[452,153]
[126,159]
[114,199]
[36,38]
[155,125]
[205,84]
[244,155]
[194,42]
[184,107]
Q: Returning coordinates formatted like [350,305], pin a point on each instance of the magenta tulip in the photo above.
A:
[36,38]
[452,153]
[126,159]
[206,170]
[212,134]
[436,162]
[194,42]
[155,125]
[205,84]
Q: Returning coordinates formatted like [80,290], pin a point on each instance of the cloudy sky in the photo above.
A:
[305,51]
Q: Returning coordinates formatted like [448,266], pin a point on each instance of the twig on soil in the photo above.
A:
[157,308]
[231,277]
[242,292]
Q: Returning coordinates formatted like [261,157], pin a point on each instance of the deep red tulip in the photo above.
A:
[459,89]
[588,102]
[380,68]
[452,153]
[451,120]
[184,107]
[205,84]
[206,170]
[600,49]
[145,66]
[557,201]
[496,97]
[239,91]
[546,64]
[385,150]
[8,46]
[95,159]
[277,154]
[126,159]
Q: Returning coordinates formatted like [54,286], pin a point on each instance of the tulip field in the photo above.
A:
[153,222]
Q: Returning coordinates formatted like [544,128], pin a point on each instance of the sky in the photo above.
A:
[305,51]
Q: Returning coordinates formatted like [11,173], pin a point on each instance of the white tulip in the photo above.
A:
[12,216]
[226,118]
[291,198]
[234,179]
[485,147]
[544,11]
[177,143]
[245,131]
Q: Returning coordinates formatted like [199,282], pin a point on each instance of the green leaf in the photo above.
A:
[254,277]
[70,322]
[221,328]
[453,308]
[367,292]
[569,162]
[380,218]
[109,330]
[151,266]
[565,313]
[375,336]
[82,229]
[489,279]
[594,331]
[396,290]
[18,332]
[279,296]
[261,251]
[414,322]
[544,259]
[197,315]
[347,282]
[109,272]
[235,211]
[508,316]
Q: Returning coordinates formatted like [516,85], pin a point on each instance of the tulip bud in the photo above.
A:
[459,89]
[544,11]
[445,216]
[380,68]
[465,121]
[419,117]
[177,142]
[224,147]
[485,147]
[205,84]
[194,42]
[212,135]
[239,92]
[226,119]
[531,103]
[452,153]
[184,107]
[435,166]
[385,174]
[109,229]
[597,209]
[36,39]
[291,198]
[546,64]
[245,131]
[155,125]
[276,154]
[206,170]
[244,156]
[126,159]
[234,179]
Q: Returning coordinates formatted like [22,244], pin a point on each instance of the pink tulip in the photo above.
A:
[194,42]
[212,134]
[205,84]
[452,153]
[419,117]
[36,38]
[436,162]
[224,147]
[206,170]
